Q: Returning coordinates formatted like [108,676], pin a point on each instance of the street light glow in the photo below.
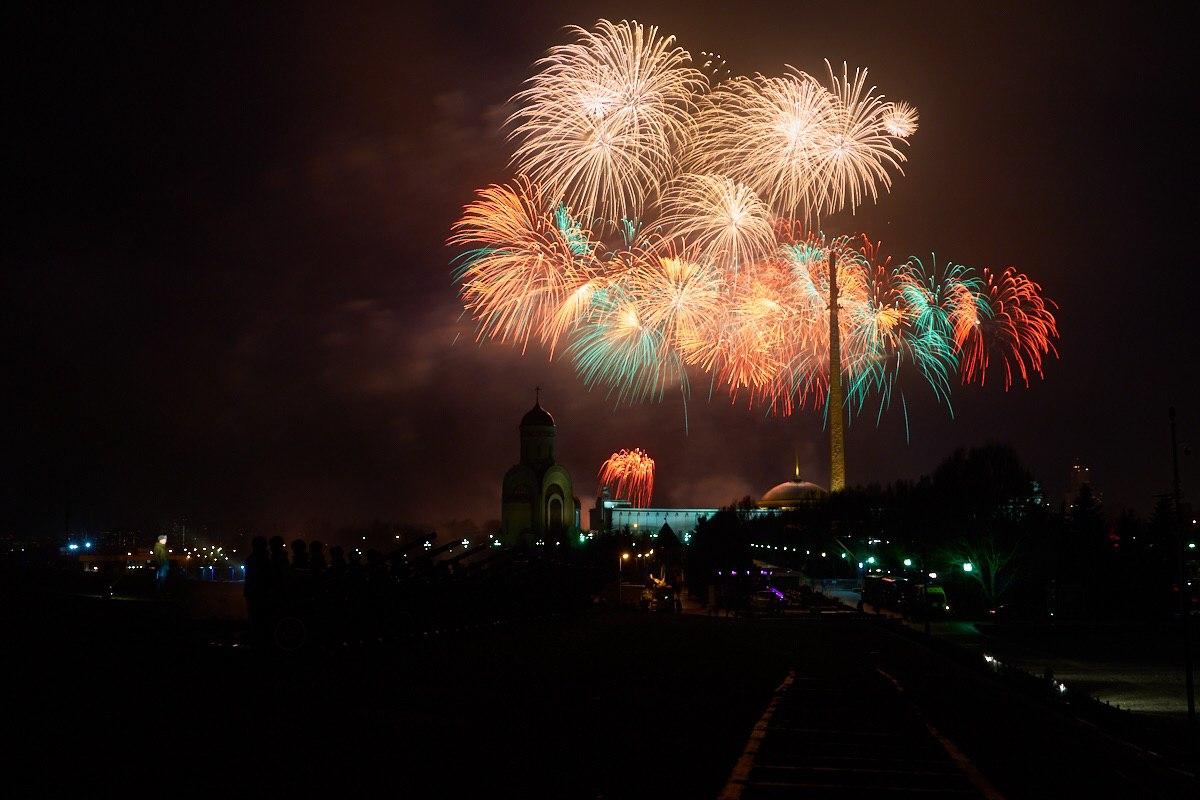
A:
[908,562]
[968,566]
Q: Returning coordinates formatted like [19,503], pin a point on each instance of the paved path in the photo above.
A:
[1137,670]
[849,736]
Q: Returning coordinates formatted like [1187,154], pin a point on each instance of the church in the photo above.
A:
[538,502]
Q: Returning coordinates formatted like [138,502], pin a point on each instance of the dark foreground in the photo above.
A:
[119,699]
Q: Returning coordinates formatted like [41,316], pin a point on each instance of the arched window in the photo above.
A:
[554,513]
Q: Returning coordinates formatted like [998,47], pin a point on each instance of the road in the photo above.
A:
[604,705]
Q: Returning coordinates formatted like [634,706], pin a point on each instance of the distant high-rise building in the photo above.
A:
[1081,475]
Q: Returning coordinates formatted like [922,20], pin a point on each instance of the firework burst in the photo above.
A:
[524,276]
[854,149]
[1015,324]
[900,120]
[601,123]
[717,221]
[629,475]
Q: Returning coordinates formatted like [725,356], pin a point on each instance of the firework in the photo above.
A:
[744,348]
[717,221]
[526,275]
[675,295]
[662,225]
[900,120]
[1015,323]
[629,475]
[763,132]
[615,347]
[853,148]
[601,123]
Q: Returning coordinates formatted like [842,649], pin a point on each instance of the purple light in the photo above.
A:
[776,592]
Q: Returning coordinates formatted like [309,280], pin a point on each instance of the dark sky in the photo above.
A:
[227,294]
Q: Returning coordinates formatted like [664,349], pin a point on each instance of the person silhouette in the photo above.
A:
[162,563]
[257,585]
[337,561]
[280,565]
[299,555]
[316,559]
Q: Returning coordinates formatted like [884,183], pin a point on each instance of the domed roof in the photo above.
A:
[537,416]
[790,494]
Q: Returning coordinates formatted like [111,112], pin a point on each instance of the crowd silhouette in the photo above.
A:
[302,595]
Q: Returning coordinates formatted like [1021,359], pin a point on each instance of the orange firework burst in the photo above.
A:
[629,474]
[527,275]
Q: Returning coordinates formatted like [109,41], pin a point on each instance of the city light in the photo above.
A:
[968,566]
[870,559]
[908,562]
[933,576]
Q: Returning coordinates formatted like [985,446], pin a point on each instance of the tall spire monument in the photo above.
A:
[837,440]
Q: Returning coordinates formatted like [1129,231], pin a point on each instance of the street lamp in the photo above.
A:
[620,564]
[908,562]
[968,566]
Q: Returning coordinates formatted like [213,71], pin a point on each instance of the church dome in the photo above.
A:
[537,416]
[790,494]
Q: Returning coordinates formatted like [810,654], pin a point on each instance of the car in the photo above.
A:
[646,600]
[766,603]
[935,601]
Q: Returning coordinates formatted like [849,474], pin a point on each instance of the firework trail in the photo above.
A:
[629,474]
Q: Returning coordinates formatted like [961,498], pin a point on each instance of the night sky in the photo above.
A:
[227,294]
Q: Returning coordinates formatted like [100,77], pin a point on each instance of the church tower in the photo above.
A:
[537,499]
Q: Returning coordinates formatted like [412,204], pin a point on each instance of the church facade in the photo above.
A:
[538,501]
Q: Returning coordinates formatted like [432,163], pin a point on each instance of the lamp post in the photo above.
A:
[925,610]
[1185,596]
[620,568]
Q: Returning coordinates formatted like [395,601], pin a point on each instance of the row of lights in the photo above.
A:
[788,549]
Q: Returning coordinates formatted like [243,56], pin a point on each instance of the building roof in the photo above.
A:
[537,416]
[791,493]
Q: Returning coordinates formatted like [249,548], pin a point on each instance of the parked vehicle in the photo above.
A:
[764,603]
